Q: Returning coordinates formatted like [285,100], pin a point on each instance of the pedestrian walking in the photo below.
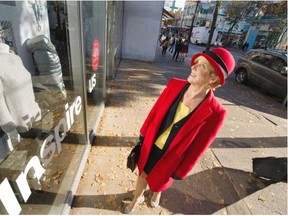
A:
[165,45]
[181,125]
[159,38]
[171,45]
[163,37]
[184,51]
[178,45]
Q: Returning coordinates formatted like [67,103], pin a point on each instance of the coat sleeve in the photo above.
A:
[203,140]
[154,109]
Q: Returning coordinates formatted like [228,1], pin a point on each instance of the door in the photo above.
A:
[259,72]
[279,81]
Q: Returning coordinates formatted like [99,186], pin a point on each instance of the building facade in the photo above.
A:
[255,29]
[55,59]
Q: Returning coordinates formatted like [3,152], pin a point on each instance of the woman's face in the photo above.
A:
[200,72]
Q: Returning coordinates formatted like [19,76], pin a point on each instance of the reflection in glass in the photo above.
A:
[45,146]
[94,28]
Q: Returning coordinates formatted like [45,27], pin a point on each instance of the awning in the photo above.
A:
[166,14]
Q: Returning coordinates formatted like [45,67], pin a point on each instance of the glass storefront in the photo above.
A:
[114,37]
[94,34]
[44,131]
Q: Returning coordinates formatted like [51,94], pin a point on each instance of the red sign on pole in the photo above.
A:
[95,55]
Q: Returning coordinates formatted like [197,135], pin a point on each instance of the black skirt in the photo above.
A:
[154,156]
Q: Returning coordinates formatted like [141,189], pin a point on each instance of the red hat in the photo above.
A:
[221,60]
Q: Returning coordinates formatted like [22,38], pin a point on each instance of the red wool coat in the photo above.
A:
[189,144]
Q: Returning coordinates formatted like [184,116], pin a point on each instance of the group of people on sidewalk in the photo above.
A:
[175,45]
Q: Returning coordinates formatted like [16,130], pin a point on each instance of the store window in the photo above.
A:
[94,28]
[263,59]
[114,37]
[43,128]
[278,64]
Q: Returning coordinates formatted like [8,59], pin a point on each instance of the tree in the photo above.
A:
[276,10]
[215,14]
[252,11]
[237,11]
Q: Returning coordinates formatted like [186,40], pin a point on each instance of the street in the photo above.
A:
[193,49]
[249,95]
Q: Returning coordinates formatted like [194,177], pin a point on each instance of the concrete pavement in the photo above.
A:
[221,182]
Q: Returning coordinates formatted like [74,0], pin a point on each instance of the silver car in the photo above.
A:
[264,68]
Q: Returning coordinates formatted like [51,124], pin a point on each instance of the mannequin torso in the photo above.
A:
[4,48]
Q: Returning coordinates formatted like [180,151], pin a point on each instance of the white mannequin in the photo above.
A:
[5,141]
[18,108]
[4,48]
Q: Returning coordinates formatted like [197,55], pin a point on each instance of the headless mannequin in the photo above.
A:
[5,146]
[4,48]
[18,109]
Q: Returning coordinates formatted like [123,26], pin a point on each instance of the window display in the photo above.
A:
[52,91]
[43,126]
[47,62]
[17,101]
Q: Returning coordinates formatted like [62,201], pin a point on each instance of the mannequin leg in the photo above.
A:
[141,186]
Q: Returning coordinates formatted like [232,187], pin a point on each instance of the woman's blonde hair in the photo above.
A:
[215,84]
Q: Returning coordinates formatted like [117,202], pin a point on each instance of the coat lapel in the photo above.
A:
[170,97]
[197,118]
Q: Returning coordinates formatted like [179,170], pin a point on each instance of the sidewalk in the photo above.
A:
[220,183]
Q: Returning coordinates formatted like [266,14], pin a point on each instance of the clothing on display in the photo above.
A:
[18,109]
[47,62]
[17,101]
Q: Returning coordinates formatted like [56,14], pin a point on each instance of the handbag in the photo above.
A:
[133,157]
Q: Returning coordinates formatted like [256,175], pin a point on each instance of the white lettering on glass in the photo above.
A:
[48,150]
[59,137]
[8,198]
[36,172]
[78,105]
[67,116]
[92,83]
[34,167]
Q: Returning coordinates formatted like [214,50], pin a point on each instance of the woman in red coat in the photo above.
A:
[181,125]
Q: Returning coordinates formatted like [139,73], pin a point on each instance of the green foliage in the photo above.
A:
[277,31]
[277,10]
[252,11]
[168,22]
[237,11]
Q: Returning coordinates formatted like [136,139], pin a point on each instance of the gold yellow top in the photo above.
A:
[181,112]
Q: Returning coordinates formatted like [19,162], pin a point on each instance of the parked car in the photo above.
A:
[264,68]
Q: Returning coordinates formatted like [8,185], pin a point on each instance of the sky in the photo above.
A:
[180,3]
